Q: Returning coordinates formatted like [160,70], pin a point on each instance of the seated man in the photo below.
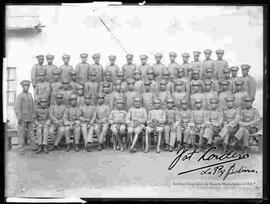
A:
[213,122]
[72,122]
[42,116]
[230,121]
[155,122]
[249,120]
[87,117]
[117,119]
[136,120]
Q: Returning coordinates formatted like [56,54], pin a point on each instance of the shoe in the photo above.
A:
[158,150]
[88,147]
[77,148]
[122,149]
[45,149]
[102,145]
[39,150]
[68,148]
[170,148]
[133,150]
[166,147]
[99,147]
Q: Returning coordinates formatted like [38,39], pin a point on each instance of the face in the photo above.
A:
[226,75]
[234,73]
[162,87]
[80,92]
[209,75]
[196,88]
[121,77]
[207,55]
[56,77]
[172,58]
[198,105]
[150,76]
[119,106]
[147,87]
[248,104]
[42,78]
[96,60]
[213,106]
[158,59]
[195,76]
[166,77]
[224,87]
[238,87]
[131,86]
[25,88]
[184,106]
[100,100]
[118,87]
[196,57]
[59,101]
[156,105]
[229,104]
[143,61]
[137,76]
[112,61]
[137,104]
[207,87]
[66,60]
[219,56]
[106,89]
[43,104]
[185,59]
[73,77]
[87,101]
[180,74]
[92,77]
[245,72]
[84,59]
[107,77]
[65,86]
[50,61]
[129,60]
[73,102]
[40,60]
[179,87]
[170,105]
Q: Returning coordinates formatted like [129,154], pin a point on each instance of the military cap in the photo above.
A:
[196,83]
[120,73]
[185,54]
[130,81]
[238,82]
[100,95]
[87,95]
[147,82]
[150,71]
[209,69]
[117,82]
[234,68]
[173,54]
[196,53]
[158,55]
[213,100]
[113,57]
[129,56]
[40,56]
[42,73]
[248,98]
[170,100]
[226,70]
[224,82]
[245,66]
[144,57]
[198,100]
[49,56]
[163,81]
[120,101]
[107,72]
[106,84]
[137,71]
[43,99]
[25,82]
[72,96]
[56,71]
[72,72]
[66,57]
[179,82]
[195,71]
[165,72]
[93,73]
[230,98]
[207,51]
[65,81]
[208,82]
[219,51]
[137,99]
[59,95]
[96,55]
[83,55]
[184,101]
[156,101]
[79,87]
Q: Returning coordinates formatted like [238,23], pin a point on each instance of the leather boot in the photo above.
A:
[39,150]
[99,147]
[45,149]
[68,147]
[170,148]
[77,148]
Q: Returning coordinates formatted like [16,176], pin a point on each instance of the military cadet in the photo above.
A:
[248,124]
[72,122]
[66,90]
[92,86]
[101,124]
[249,84]
[131,94]
[43,88]
[117,119]
[25,112]
[108,80]
[106,90]
[87,117]
[55,85]
[195,78]
[197,124]
[37,68]
[138,85]
[65,68]
[136,121]
[230,122]
[56,116]
[80,96]
[186,65]
[158,67]
[227,76]
[197,64]
[166,76]
[209,93]
[196,94]
[173,66]
[42,120]
[82,69]
[129,67]
[179,93]
[73,80]
[112,67]
[180,76]
[155,123]
[234,77]
[209,76]
[170,129]
[50,68]
[120,76]
[208,62]
[163,93]
[116,95]
[151,77]
[185,115]
[148,96]
[144,66]
[239,94]
[213,123]
[220,64]
[97,67]
[224,92]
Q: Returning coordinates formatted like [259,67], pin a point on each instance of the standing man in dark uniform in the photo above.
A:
[82,69]
[249,82]
[144,66]
[220,64]
[129,67]
[97,67]
[197,64]
[50,68]
[208,62]
[112,67]
[158,67]
[39,67]
[65,68]
[173,66]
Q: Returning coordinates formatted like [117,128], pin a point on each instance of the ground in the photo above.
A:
[122,174]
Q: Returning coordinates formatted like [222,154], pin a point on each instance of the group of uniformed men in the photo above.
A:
[189,104]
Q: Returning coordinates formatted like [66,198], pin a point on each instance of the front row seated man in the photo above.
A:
[155,123]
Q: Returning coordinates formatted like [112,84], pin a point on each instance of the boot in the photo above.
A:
[68,147]
[77,147]
[170,148]
[45,149]
[166,147]
[99,147]
[246,150]
[88,147]
[102,145]
[158,149]
[39,150]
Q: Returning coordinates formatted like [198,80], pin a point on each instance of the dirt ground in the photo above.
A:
[122,174]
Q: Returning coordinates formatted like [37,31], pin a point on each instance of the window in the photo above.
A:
[11,86]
